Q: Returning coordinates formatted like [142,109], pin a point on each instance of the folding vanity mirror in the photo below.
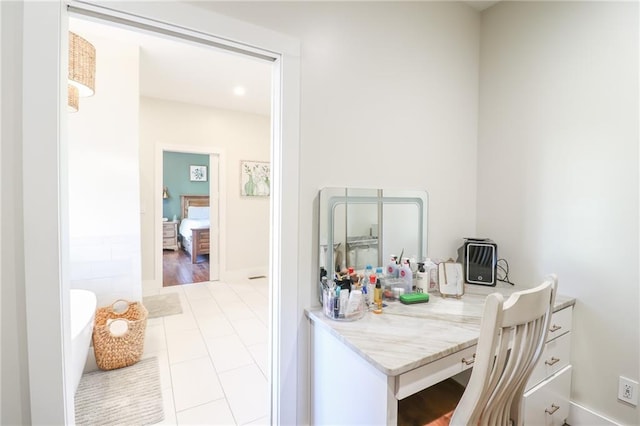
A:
[360,227]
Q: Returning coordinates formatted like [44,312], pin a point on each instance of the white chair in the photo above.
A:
[511,341]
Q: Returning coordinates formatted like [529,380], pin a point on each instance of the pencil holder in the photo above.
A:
[343,305]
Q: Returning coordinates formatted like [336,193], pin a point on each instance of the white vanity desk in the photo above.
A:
[360,369]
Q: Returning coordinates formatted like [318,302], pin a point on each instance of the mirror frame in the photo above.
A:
[328,201]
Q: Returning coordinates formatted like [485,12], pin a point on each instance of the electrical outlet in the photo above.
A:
[628,390]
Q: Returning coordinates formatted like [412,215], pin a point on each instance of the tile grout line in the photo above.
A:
[209,355]
[226,399]
[255,363]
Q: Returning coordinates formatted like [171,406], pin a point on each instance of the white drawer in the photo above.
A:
[548,403]
[428,375]
[560,323]
[555,357]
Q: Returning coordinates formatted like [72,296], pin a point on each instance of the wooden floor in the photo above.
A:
[177,268]
[429,404]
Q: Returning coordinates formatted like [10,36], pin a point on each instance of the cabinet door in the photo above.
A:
[548,403]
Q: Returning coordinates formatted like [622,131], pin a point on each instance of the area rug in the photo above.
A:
[125,396]
[161,305]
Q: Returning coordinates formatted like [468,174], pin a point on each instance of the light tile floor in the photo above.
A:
[213,357]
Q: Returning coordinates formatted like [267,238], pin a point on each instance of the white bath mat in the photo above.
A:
[161,305]
[126,396]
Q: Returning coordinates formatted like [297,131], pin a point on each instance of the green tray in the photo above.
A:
[411,298]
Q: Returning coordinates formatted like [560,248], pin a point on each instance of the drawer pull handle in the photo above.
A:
[553,409]
[469,361]
[554,328]
[552,361]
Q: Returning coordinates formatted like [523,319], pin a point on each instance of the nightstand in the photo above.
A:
[170,235]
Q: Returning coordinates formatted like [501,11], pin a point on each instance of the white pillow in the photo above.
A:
[198,212]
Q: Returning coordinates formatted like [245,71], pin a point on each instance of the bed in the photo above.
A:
[194,226]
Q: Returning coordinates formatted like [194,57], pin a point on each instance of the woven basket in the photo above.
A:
[114,348]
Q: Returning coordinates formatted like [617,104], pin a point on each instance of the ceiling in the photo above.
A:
[480,5]
[187,72]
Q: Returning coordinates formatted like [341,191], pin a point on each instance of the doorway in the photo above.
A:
[44,101]
[179,262]
[171,127]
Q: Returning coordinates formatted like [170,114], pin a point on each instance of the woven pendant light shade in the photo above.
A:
[72,98]
[82,65]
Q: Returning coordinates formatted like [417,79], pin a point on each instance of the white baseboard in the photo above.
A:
[582,416]
[151,287]
[243,274]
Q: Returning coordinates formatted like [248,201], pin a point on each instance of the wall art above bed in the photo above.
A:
[197,173]
[255,179]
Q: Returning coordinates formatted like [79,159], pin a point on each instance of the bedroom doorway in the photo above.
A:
[191,210]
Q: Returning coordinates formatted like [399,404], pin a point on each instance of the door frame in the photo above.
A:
[217,189]
[44,75]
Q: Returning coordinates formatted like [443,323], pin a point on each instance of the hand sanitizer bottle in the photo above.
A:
[392,267]
[404,273]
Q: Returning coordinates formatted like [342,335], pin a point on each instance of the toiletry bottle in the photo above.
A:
[414,265]
[422,279]
[368,270]
[392,267]
[366,295]
[405,274]
[372,287]
[346,284]
[377,294]
[353,276]
[377,299]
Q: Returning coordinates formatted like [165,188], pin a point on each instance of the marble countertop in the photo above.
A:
[405,337]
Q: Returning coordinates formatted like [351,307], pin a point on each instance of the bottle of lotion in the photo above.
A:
[405,274]
[392,267]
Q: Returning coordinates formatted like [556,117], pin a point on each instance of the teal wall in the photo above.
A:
[175,175]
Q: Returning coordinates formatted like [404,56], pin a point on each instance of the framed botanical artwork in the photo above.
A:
[255,178]
[197,173]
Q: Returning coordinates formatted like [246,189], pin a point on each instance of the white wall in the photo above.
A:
[104,198]
[14,403]
[558,172]
[239,136]
[388,100]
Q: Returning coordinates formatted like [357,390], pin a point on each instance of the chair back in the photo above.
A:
[512,338]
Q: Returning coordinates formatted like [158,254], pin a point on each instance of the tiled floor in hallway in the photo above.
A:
[213,356]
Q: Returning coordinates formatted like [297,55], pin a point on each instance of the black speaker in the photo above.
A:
[479,258]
